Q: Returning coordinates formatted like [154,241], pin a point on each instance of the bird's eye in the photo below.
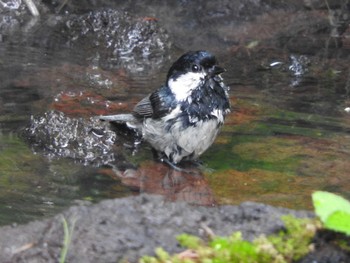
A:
[195,68]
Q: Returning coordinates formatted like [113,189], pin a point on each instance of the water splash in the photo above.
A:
[11,4]
[88,141]
[120,39]
[298,67]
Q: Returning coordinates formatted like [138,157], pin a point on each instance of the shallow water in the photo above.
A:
[287,136]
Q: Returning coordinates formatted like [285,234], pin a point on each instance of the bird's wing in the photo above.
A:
[144,108]
[162,101]
[155,105]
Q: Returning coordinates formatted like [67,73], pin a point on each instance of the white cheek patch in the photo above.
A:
[185,83]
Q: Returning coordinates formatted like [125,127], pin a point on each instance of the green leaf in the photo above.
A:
[339,221]
[333,210]
[327,203]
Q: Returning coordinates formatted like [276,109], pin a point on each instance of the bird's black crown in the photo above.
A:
[193,61]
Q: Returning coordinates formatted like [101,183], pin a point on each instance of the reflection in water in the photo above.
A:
[157,178]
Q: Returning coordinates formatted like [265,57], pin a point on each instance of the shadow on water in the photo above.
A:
[287,135]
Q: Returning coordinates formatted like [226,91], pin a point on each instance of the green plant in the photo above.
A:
[333,211]
[294,242]
[286,246]
[68,233]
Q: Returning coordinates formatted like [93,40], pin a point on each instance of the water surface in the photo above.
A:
[287,135]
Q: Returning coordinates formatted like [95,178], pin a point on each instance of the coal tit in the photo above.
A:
[182,118]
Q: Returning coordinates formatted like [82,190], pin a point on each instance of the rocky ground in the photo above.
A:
[129,228]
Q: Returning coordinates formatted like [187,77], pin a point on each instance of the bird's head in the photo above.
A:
[190,71]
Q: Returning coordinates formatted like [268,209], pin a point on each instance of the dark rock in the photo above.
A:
[327,248]
[110,38]
[234,8]
[131,227]
[186,19]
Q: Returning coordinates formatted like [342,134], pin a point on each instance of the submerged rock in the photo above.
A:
[88,141]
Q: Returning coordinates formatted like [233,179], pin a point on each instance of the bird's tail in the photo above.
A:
[120,118]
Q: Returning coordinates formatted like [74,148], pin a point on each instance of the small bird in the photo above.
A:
[182,118]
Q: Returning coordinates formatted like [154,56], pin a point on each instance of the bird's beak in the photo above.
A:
[216,70]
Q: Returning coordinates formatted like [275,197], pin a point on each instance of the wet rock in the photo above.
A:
[19,8]
[11,4]
[222,9]
[106,38]
[88,141]
[195,24]
[327,249]
[16,13]
[131,227]
[117,39]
